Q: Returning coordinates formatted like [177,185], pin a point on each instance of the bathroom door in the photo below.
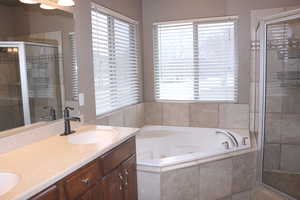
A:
[280,111]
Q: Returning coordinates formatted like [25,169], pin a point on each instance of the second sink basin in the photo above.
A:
[7,181]
[91,137]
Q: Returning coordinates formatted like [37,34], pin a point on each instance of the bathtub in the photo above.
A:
[176,163]
[167,146]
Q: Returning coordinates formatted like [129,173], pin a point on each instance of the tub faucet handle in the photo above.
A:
[226,144]
[244,140]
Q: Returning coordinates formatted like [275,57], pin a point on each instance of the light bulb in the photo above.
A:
[44,6]
[66,2]
[28,1]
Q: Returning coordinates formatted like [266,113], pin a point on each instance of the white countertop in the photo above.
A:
[45,162]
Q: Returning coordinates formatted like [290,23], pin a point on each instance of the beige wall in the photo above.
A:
[164,10]
[129,8]
[6,22]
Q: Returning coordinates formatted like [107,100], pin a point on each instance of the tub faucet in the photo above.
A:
[230,136]
[67,119]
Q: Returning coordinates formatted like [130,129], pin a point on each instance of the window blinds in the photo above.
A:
[75,89]
[196,61]
[115,58]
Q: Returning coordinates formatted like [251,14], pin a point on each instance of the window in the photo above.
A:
[196,60]
[115,58]
[75,82]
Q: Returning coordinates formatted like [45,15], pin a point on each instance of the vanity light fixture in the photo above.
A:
[28,1]
[66,2]
[44,6]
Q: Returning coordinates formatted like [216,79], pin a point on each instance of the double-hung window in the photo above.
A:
[196,60]
[115,59]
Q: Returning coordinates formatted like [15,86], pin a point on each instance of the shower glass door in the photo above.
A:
[281,108]
[11,106]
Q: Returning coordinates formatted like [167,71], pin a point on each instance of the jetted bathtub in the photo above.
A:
[171,161]
[164,146]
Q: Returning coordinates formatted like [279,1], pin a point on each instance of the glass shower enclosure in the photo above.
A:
[280,103]
[30,83]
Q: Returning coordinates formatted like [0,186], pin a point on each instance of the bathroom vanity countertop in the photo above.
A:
[43,163]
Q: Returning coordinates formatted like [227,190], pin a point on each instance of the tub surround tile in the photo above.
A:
[234,116]
[181,184]
[204,115]
[116,119]
[215,179]
[130,116]
[101,121]
[149,186]
[175,114]
[140,113]
[153,113]
[243,174]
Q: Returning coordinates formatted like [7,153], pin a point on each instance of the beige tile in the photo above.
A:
[242,196]
[291,102]
[273,128]
[130,116]
[215,180]
[153,113]
[234,116]
[243,173]
[274,104]
[140,112]
[204,115]
[101,121]
[175,114]
[116,119]
[290,129]
[271,156]
[288,155]
[149,186]
[180,184]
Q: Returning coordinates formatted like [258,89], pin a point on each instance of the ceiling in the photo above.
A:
[10,2]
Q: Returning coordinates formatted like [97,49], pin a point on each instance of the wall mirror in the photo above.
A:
[37,64]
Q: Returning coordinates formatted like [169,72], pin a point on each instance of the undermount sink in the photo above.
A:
[7,181]
[91,137]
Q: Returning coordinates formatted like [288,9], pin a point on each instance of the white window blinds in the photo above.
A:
[196,61]
[115,57]
[75,88]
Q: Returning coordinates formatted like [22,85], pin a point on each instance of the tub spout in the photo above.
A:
[230,136]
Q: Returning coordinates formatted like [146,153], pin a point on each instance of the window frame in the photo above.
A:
[117,16]
[195,22]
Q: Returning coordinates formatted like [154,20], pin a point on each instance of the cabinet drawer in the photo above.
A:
[116,156]
[80,181]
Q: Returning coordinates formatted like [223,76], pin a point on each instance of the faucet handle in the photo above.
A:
[244,140]
[69,108]
[226,144]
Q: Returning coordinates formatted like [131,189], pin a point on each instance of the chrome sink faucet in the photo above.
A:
[230,136]
[67,120]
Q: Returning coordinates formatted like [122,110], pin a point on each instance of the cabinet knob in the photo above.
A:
[85,180]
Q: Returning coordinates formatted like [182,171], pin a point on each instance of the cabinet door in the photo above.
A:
[52,193]
[130,178]
[112,185]
[94,193]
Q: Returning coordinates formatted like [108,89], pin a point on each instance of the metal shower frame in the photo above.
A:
[281,17]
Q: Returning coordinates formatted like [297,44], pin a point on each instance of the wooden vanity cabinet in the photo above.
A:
[109,177]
